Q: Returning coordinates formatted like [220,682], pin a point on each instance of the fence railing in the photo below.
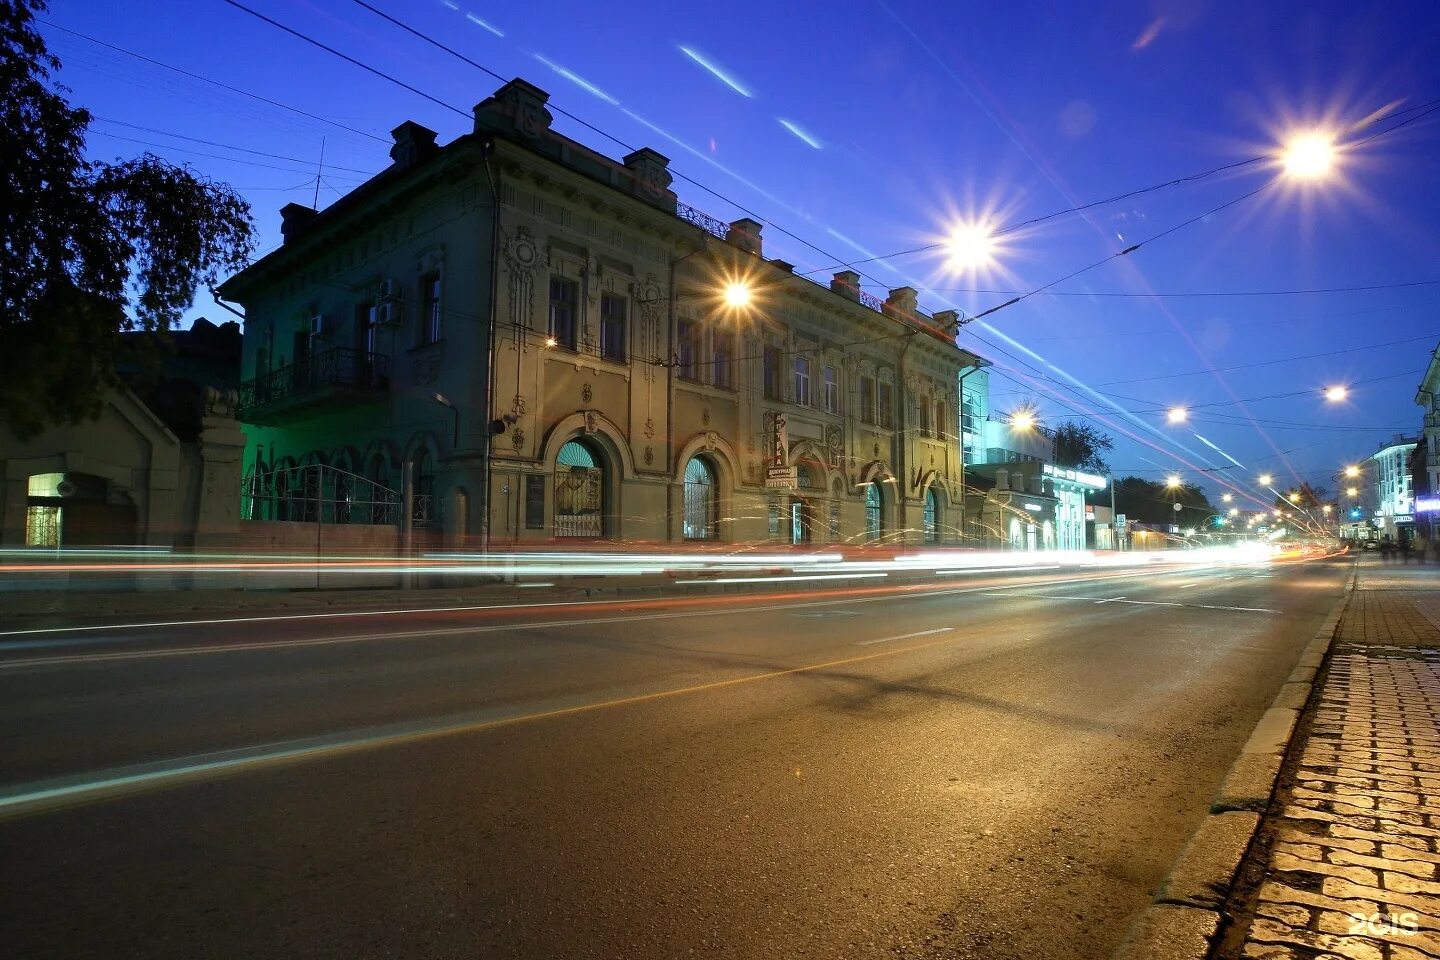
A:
[317,493]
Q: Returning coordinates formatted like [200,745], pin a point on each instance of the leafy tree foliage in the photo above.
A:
[88,249]
[1079,446]
[1147,501]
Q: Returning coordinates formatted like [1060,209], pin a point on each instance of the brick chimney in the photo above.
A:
[413,143]
[650,177]
[745,234]
[294,218]
[847,284]
[903,300]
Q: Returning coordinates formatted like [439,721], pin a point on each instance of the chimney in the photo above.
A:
[1002,479]
[519,106]
[294,218]
[782,266]
[948,320]
[413,143]
[650,177]
[903,300]
[745,234]
[847,284]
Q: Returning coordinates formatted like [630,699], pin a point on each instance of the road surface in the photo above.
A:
[1005,768]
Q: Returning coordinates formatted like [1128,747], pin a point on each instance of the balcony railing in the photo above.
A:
[338,375]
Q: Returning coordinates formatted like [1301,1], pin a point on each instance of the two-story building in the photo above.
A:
[515,338]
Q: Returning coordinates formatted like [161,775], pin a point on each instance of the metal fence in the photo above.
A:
[317,493]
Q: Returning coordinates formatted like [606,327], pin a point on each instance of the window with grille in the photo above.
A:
[612,327]
[872,510]
[564,296]
[699,500]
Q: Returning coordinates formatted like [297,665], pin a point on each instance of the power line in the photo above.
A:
[224,146]
[200,153]
[1266,363]
[224,86]
[1209,293]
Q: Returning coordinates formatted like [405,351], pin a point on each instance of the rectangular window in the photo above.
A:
[832,391]
[885,401]
[612,327]
[431,317]
[686,350]
[564,295]
[867,399]
[802,381]
[722,359]
[924,417]
[771,361]
[941,424]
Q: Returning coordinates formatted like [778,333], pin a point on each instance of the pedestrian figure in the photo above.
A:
[1405,550]
[1385,547]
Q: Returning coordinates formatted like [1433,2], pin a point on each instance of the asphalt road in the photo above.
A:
[1003,769]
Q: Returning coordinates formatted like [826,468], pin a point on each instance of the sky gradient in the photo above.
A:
[857,130]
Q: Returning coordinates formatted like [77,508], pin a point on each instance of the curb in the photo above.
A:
[1185,918]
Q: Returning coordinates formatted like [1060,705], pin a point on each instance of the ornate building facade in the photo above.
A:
[515,339]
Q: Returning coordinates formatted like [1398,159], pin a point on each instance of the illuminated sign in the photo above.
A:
[1075,476]
[1427,504]
[1034,506]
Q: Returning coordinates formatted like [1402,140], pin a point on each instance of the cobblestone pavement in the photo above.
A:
[1354,869]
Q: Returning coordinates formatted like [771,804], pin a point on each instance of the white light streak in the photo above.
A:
[478,22]
[802,134]
[716,71]
[578,80]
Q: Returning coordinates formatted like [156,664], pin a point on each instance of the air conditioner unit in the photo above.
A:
[387,306]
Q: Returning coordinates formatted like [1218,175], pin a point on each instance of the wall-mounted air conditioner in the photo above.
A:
[387,306]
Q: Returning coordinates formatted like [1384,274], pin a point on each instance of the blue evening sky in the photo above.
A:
[870,127]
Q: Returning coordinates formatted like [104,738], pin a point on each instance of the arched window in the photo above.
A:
[699,500]
[873,519]
[579,492]
[932,516]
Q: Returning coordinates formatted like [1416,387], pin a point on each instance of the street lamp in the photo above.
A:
[1266,479]
[1337,393]
[1177,415]
[1173,481]
[1352,491]
[1352,471]
[1226,497]
[444,401]
[1023,419]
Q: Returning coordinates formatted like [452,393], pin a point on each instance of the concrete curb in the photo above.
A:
[1185,920]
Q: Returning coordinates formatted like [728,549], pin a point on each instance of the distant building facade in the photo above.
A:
[157,468]
[1425,460]
[1394,501]
[514,339]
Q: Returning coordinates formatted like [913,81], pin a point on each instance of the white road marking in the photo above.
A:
[1184,585]
[1110,600]
[907,636]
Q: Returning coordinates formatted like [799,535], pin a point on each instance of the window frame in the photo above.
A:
[571,341]
[722,359]
[885,405]
[609,321]
[867,399]
[800,380]
[687,350]
[830,389]
[772,383]
[432,311]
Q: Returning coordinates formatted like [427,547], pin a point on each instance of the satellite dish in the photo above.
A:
[65,488]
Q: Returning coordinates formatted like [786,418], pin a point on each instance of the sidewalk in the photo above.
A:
[1345,862]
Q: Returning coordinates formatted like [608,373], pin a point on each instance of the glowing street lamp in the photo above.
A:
[738,294]
[1022,419]
[1266,479]
[1326,509]
[1173,481]
[1234,511]
[1309,156]
[1337,393]
[1177,415]
[1226,497]
[1352,471]
[1352,491]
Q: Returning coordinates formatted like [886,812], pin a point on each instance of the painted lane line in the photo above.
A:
[1152,603]
[814,576]
[1110,600]
[907,636]
[1184,585]
[1139,603]
[38,797]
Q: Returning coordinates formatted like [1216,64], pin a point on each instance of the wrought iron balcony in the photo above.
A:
[328,380]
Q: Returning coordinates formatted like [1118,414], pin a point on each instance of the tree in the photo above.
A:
[1147,501]
[89,250]
[1079,446]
